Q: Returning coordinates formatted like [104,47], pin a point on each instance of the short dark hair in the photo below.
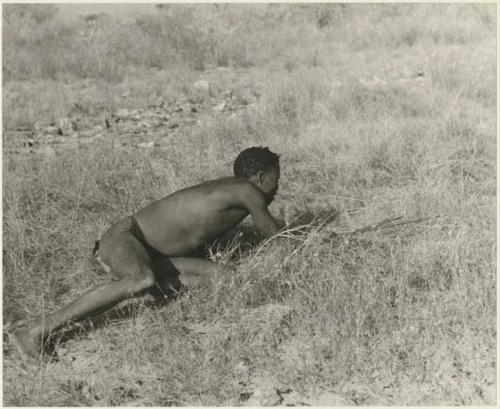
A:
[255,159]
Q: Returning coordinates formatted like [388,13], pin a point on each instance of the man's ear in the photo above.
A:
[260,176]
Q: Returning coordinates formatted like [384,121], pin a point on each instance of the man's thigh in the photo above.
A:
[125,256]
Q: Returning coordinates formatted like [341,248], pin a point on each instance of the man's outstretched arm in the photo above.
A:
[255,202]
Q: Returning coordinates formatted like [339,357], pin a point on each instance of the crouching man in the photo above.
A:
[159,240]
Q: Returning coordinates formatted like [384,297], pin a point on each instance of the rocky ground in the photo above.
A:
[154,126]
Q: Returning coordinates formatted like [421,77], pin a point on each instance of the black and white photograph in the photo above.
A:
[249,204]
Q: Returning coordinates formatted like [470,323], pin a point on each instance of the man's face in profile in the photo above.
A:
[270,184]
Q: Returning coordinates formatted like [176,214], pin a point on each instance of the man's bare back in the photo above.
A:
[157,243]
[187,219]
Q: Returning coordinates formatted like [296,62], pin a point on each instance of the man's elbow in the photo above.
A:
[270,231]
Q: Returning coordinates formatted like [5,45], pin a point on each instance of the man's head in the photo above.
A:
[261,167]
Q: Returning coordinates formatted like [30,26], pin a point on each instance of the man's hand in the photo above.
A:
[255,202]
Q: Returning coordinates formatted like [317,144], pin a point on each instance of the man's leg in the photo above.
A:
[129,261]
[189,271]
[99,299]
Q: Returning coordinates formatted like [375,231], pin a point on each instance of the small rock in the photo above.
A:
[66,126]
[242,373]
[202,87]
[51,130]
[146,145]
[145,124]
[122,114]
[86,133]
[245,97]
[293,398]
[125,94]
[38,126]
[220,107]
[265,396]
[358,393]
[489,393]
[61,351]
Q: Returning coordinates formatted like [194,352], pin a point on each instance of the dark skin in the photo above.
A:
[174,228]
[180,223]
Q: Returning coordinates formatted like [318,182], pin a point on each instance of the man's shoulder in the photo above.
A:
[230,182]
[235,187]
[240,184]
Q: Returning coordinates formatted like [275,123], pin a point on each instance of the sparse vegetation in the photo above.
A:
[379,111]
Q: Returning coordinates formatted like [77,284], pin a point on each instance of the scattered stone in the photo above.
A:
[24,127]
[202,87]
[173,125]
[146,145]
[358,393]
[264,396]
[51,130]
[121,114]
[245,97]
[292,398]
[145,124]
[125,94]
[489,393]
[242,373]
[38,126]
[66,126]
[87,133]
[220,107]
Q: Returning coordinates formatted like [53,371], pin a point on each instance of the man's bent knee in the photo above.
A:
[141,283]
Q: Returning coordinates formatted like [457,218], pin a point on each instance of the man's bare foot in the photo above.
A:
[27,345]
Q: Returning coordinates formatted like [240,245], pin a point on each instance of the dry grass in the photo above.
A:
[403,315]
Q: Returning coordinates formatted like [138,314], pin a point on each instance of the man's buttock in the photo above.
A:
[123,252]
[124,237]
